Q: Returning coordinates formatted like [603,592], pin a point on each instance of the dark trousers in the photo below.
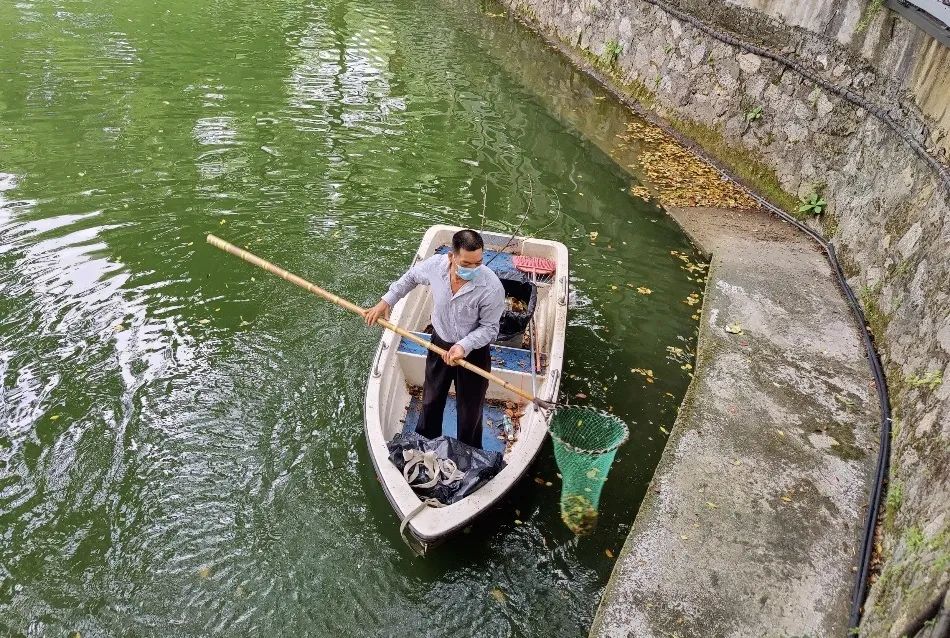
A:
[469,394]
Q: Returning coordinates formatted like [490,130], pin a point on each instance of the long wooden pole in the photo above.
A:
[250,258]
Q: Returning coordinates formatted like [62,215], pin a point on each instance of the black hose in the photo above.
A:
[943,172]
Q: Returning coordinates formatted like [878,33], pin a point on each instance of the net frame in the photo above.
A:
[584,470]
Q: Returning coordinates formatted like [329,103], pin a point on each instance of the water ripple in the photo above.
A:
[182,449]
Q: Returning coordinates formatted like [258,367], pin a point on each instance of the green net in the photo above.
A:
[585,443]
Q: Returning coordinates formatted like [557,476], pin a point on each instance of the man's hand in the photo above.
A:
[453,355]
[379,310]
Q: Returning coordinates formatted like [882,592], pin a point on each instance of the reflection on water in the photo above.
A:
[182,449]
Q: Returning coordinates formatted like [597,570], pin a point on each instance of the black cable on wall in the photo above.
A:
[943,174]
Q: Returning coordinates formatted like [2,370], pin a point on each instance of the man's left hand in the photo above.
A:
[453,355]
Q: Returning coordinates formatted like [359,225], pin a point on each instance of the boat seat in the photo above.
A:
[511,364]
[503,358]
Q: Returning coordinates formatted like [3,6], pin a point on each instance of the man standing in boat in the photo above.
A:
[468,301]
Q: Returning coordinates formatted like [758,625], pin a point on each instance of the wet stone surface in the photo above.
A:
[755,511]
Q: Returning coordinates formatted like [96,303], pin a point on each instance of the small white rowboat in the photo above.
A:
[399,366]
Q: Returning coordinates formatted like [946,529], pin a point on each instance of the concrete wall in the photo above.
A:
[912,69]
[889,210]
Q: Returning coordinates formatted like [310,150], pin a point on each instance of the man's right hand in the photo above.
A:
[379,310]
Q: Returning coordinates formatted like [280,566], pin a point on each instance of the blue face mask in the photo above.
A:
[467,274]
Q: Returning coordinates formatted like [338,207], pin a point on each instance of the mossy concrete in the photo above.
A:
[754,516]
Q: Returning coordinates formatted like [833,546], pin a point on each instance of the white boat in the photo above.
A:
[399,366]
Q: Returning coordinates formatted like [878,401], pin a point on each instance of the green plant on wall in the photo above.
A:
[753,114]
[611,52]
[895,496]
[932,379]
[814,204]
[874,8]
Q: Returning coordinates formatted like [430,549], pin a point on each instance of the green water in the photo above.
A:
[182,448]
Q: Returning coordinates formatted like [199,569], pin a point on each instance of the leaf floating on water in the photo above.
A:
[734,328]
[204,571]
[593,235]
[663,430]
[614,288]
[711,505]
[498,595]
[608,553]
[222,222]
[54,417]
[580,395]
[787,499]
[643,290]
[204,321]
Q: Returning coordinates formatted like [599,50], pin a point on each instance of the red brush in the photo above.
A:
[536,265]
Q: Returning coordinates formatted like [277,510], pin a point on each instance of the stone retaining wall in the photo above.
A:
[888,215]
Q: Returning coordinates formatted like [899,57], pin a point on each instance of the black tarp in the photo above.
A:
[478,465]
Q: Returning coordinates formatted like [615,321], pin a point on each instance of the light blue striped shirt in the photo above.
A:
[471,317]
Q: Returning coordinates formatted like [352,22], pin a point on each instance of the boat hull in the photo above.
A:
[397,368]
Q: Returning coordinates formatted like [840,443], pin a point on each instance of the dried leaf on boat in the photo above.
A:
[515,305]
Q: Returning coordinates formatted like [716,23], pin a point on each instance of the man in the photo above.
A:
[468,300]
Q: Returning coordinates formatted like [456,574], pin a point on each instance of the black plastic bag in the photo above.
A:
[478,465]
[514,323]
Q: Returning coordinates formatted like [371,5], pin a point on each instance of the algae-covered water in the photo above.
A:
[182,448]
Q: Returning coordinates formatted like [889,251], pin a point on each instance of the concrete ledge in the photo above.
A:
[754,516]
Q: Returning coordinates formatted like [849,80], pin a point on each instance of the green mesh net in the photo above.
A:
[585,443]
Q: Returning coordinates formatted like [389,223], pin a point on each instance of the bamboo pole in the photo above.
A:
[217,242]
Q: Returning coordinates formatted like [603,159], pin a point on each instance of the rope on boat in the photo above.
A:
[442,471]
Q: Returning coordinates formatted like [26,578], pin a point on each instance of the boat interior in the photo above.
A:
[511,359]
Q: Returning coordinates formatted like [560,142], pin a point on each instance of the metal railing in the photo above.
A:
[931,16]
